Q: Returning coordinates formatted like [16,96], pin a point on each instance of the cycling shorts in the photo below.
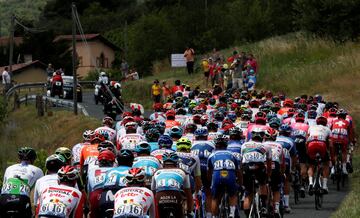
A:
[342,142]
[251,171]
[223,180]
[302,155]
[15,203]
[94,200]
[315,147]
[170,202]
[275,183]
[204,179]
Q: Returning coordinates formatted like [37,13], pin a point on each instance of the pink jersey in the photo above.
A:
[300,126]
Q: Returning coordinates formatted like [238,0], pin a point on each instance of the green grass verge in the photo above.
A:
[45,134]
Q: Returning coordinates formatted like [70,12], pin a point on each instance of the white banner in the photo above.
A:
[178,60]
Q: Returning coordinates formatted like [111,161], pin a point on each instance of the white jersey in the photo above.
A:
[277,154]
[20,178]
[76,152]
[60,201]
[190,163]
[148,163]
[134,201]
[43,183]
[121,130]
[254,152]
[319,132]
[103,79]
[160,116]
[96,177]
[129,141]
[106,131]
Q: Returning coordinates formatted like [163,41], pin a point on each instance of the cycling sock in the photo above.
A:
[232,210]
[277,206]
[311,182]
[286,200]
[247,212]
[325,182]
[208,215]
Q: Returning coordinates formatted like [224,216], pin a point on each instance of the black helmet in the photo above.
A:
[125,157]
[27,153]
[54,162]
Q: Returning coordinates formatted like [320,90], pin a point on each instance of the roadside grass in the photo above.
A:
[293,64]
[45,134]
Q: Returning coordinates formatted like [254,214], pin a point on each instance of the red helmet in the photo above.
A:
[197,119]
[126,114]
[170,113]
[234,106]
[288,103]
[254,103]
[67,174]
[332,112]
[135,176]
[97,136]
[157,107]
[270,133]
[127,119]
[260,118]
[204,119]
[131,126]
[290,112]
[321,121]
[108,121]
[106,155]
[300,118]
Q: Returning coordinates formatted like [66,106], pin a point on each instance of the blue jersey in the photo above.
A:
[235,145]
[288,144]
[174,179]
[153,145]
[203,150]
[221,160]
[148,163]
[115,178]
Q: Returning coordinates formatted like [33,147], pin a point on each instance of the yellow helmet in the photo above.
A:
[183,144]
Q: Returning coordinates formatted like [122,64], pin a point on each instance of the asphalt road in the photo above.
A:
[306,207]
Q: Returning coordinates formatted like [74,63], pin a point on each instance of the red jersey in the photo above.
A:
[340,130]
[175,89]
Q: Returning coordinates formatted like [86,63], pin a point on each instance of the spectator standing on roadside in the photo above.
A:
[124,68]
[189,55]
[177,87]
[156,91]
[49,71]
[6,80]
[215,54]
[206,69]
[253,63]
[166,91]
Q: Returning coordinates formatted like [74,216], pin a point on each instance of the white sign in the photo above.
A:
[178,60]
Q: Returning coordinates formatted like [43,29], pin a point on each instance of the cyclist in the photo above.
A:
[53,163]
[131,138]
[62,200]
[96,177]
[256,164]
[236,140]
[259,122]
[212,128]
[203,148]
[107,129]
[115,180]
[165,143]
[66,153]
[152,136]
[76,150]
[135,200]
[169,185]
[277,167]
[175,133]
[158,113]
[18,181]
[170,119]
[290,154]
[223,170]
[189,162]
[190,129]
[318,142]
[146,162]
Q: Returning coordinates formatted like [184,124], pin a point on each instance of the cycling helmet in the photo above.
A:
[165,141]
[68,174]
[136,112]
[232,116]
[203,120]
[212,101]
[108,121]
[300,118]
[106,145]
[170,157]
[201,132]
[221,140]
[65,152]
[257,134]
[181,111]
[332,112]
[219,116]
[285,129]
[125,157]
[97,137]
[135,176]
[275,123]
[160,126]
[212,126]
[157,107]
[190,128]
[270,134]
[152,135]
[175,132]
[54,162]
[254,103]
[235,133]
[106,158]
[27,154]
[170,114]
[321,121]
[288,103]
[87,135]
[260,118]
[131,126]
[143,148]
[183,144]
[312,114]
[318,98]
[342,113]
[197,119]
[270,115]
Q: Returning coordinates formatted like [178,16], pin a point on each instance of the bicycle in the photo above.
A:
[254,208]
[224,207]
[296,185]
[318,192]
[339,176]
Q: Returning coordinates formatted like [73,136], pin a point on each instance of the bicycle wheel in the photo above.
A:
[338,176]
[296,194]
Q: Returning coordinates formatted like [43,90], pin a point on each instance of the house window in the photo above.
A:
[101,61]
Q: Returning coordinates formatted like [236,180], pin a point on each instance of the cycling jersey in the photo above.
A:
[76,152]
[89,154]
[170,179]
[235,147]
[318,133]
[148,163]
[129,141]
[254,152]
[160,116]
[153,145]
[107,132]
[288,144]
[96,177]
[61,201]
[20,178]
[203,150]
[134,201]
[340,130]
[277,154]
[115,178]
[190,163]
[42,183]
[212,135]
[159,152]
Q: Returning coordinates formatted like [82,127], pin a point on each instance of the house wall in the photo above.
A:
[88,56]
[33,74]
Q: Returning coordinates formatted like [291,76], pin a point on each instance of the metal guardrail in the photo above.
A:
[58,102]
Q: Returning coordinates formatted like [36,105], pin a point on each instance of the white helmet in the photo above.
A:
[117,85]
[102,74]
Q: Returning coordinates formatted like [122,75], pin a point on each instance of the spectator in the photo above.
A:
[49,71]
[215,54]
[166,91]
[156,91]
[6,80]
[206,69]
[133,75]
[237,74]
[253,63]
[177,87]
[124,68]
[189,55]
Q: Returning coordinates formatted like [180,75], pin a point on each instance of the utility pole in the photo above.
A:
[125,40]
[73,10]
[11,43]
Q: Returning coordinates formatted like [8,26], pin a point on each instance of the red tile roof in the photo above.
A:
[19,67]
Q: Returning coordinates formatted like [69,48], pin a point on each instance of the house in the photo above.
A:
[5,40]
[96,53]
[34,71]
